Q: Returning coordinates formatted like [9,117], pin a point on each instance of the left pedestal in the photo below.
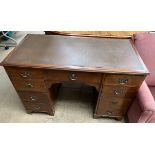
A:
[32,90]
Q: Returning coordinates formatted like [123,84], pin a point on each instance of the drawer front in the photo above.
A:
[126,80]
[113,106]
[119,91]
[24,73]
[36,107]
[73,76]
[34,97]
[29,85]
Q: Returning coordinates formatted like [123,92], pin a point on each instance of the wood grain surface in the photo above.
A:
[95,33]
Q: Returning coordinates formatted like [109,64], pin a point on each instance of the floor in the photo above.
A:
[74,102]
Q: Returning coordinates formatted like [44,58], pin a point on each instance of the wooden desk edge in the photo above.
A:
[87,35]
[77,68]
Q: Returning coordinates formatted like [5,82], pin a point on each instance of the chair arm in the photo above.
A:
[145,98]
[152,118]
[142,109]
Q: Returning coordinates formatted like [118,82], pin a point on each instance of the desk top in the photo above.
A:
[91,54]
[123,34]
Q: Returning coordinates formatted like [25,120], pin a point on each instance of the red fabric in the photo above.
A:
[145,44]
[145,117]
[145,98]
[143,107]
[134,112]
[152,89]
[152,118]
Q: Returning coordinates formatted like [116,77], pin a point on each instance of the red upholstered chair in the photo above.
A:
[143,108]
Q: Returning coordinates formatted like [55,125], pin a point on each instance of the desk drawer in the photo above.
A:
[24,73]
[126,80]
[34,97]
[29,85]
[119,91]
[37,107]
[73,76]
[113,106]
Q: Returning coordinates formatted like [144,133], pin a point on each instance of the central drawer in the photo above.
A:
[73,76]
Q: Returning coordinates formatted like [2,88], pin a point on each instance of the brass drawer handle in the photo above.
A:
[33,98]
[37,108]
[29,85]
[114,102]
[109,112]
[73,77]
[117,92]
[123,81]
[24,74]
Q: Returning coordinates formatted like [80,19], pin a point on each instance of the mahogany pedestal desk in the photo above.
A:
[40,63]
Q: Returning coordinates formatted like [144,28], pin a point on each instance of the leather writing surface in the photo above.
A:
[104,53]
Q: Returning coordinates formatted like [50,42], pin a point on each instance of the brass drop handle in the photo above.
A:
[33,98]
[114,102]
[123,81]
[24,74]
[117,92]
[109,112]
[37,108]
[73,77]
[29,85]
